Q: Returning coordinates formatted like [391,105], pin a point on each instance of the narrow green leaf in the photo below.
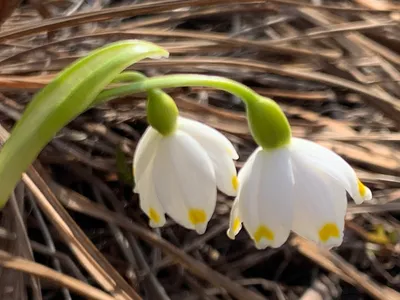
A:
[67,96]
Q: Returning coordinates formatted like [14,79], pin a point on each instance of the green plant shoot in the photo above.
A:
[68,95]
[267,122]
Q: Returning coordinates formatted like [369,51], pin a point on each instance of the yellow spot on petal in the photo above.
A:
[235,182]
[263,232]
[327,231]
[197,216]
[361,188]
[236,224]
[133,172]
[229,151]
[154,216]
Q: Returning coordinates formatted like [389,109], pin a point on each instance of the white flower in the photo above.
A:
[300,187]
[179,174]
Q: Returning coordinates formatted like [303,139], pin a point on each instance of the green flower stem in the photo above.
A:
[173,81]
[129,76]
[162,112]
[267,122]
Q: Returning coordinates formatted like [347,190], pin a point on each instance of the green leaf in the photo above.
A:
[68,95]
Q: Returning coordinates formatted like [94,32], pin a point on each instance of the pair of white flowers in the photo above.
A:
[299,187]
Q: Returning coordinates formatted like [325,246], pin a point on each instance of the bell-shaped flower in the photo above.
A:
[300,186]
[178,173]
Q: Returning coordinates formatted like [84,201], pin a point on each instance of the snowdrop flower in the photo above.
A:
[293,184]
[178,165]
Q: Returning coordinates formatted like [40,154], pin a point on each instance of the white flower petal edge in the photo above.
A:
[265,198]
[144,154]
[179,174]
[333,165]
[219,149]
[235,220]
[184,180]
[319,206]
[202,132]
[299,187]
[235,223]
[149,201]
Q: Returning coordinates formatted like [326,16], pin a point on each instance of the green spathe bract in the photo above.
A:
[68,95]
[268,124]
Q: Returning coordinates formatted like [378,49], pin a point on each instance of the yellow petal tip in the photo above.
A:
[236,225]
[235,182]
[154,216]
[263,232]
[229,151]
[329,230]
[197,216]
[362,189]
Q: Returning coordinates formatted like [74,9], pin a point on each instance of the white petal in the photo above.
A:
[184,181]
[225,171]
[319,206]
[207,136]
[247,167]
[266,196]
[332,164]
[235,222]
[149,202]
[219,149]
[144,153]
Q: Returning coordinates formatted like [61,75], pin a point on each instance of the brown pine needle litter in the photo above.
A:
[73,228]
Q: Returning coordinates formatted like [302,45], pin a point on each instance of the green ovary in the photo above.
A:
[162,113]
[268,124]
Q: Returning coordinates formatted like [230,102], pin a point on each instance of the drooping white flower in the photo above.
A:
[178,174]
[300,187]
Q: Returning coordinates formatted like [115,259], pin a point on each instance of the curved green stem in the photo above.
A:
[173,81]
[162,112]
[268,124]
[129,76]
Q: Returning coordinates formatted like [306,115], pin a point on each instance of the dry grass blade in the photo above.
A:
[335,8]
[219,40]
[388,105]
[17,263]
[7,7]
[237,42]
[105,14]
[85,251]
[23,240]
[317,33]
[9,241]
[347,272]
[77,202]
